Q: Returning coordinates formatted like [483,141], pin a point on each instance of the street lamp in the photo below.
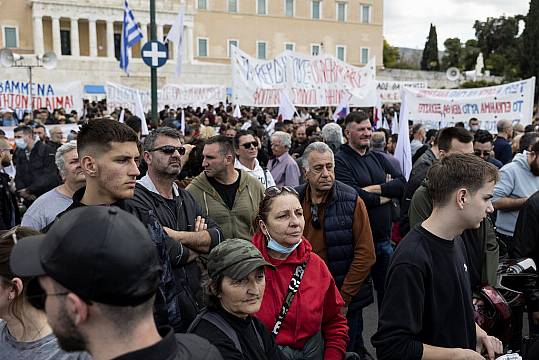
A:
[10,59]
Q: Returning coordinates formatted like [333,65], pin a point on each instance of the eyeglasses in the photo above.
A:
[248,145]
[274,190]
[37,296]
[314,216]
[169,149]
[485,153]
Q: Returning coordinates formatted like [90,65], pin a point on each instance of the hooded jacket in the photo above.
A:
[262,174]
[516,181]
[315,307]
[235,223]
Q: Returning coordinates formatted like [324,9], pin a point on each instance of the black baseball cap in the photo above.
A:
[102,254]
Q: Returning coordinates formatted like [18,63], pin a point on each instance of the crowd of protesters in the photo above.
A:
[261,238]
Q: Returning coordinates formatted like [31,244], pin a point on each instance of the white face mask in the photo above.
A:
[21,143]
[474,127]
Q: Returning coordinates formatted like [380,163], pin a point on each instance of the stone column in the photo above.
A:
[189,43]
[93,37]
[75,49]
[110,38]
[38,35]
[160,33]
[56,42]
[144,28]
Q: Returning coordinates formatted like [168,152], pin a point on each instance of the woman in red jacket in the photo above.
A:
[313,327]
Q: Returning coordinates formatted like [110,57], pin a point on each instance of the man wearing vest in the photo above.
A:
[337,226]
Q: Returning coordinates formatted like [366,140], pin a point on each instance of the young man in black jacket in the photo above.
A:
[427,310]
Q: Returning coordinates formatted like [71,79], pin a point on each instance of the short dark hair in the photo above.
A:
[310,130]
[527,140]
[39,126]
[239,134]
[149,141]
[98,134]
[226,145]
[446,135]
[134,122]
[482,137]
[455,171]
[356,117]
[459,124]
[24,128]
[535,148]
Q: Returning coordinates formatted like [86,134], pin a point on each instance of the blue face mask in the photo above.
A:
[21,144]
[275,246]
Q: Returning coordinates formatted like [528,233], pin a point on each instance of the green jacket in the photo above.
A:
[421,208]
[235,223]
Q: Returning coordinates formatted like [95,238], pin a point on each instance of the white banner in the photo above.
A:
[66,129]
[309,81]
[16,96]
[172,95]
[390,91]
[513,101]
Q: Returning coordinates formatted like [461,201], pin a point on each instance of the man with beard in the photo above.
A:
[44,210]
[9,208]
[177,211]
[300,142]
[95,274]
[519,179]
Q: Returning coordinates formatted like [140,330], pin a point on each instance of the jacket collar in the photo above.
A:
[147,182]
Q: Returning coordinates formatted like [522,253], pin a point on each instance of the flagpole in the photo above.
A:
[153,70]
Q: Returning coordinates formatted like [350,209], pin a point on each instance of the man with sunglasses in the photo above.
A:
[247,152]
[9,207]
[337,226]
[96,274]
[178,213]
[483,147]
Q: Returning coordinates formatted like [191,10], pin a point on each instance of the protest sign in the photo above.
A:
[513,101]
[66,129]
[390,91]
[309,81]
[172,95]
[16,95]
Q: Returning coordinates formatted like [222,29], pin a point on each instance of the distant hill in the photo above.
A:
[413,56]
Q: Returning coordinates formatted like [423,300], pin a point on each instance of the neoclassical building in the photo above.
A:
[85,35]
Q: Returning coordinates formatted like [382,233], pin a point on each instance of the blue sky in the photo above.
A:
[406,22]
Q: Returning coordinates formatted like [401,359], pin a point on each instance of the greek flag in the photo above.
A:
[131,34]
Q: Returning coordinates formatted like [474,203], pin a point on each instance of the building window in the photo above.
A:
[10,37]
[289,8]
[202,47]
[202,4]
[65,42]
[341,52]
[289,46]
[365,14]
[232,42]
[117,45]
[315,9]
[341,11]
[261,48]
[261,7]
[364,55]
[315,49]
[233,6]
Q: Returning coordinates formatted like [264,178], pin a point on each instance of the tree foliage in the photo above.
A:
[391,55]
[453,53]
[430,59]
[530,42]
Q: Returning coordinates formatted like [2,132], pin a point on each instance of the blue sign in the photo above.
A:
[154,54]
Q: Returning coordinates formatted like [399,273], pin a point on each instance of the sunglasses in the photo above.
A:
[314,217]
[248,145]
[274,190]
[169,149]
[485,153]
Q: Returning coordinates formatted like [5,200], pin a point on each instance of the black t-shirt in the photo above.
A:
[227,192]
[428,299]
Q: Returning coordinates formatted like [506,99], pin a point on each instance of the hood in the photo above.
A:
[521,159]
[298,256]
[201,182]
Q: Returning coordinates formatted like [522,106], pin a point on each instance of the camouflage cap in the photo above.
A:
[235,258]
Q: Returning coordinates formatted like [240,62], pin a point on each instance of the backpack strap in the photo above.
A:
[220,323]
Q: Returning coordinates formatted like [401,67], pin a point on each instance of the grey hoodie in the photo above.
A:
[516,181]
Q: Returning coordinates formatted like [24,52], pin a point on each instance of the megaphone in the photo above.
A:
[8,58]
[452,74]
[49,60]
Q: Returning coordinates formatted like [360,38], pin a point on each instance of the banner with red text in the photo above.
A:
[309,81]
[432,107]
[16,95]
[172,95]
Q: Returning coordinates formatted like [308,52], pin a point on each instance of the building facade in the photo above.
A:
[85,35]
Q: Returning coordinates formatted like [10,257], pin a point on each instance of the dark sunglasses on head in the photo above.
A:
[169,149]
[484,153]
[274,190]
[248,145]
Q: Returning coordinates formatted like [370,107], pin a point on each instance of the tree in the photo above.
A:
[469,55]
[430,59]
[530,42]
[391,55]
[453,53]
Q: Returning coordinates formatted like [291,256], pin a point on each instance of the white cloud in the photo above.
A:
[406,22]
